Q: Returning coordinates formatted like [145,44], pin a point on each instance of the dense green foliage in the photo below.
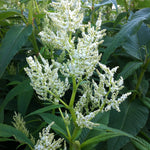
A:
[127,45]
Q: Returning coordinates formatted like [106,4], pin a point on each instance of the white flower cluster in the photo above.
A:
[20,124]
[47,141]
[45,79]
[85,121]
[84,56]
[82,59]
[66,19]
[104,97]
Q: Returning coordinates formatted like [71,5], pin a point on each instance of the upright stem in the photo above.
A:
[141,77]
[59,99]
[67,129]
[73,92]
[34,43]
[92,18]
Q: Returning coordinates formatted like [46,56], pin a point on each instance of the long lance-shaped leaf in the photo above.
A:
[129,29]
[9,131]
[140,143]
[106,133]
[19,89]
[129,69]
[58,126]
[15,38]
[47,108]
[8,13]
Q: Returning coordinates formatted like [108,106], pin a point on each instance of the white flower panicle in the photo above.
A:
[85,121]
[85,56]
[104,97]
[67,15]
[66,19]
[45,79]
[47,141]
[20,125]
[82,60]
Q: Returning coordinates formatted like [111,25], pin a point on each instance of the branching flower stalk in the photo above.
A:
[79,63]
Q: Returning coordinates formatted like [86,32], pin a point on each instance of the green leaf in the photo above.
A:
[14,39]
[131,119]
[120,17]
[143,35]
[6,139]
[105,133]
[23,101]
[47,108]
[9,131]
[8,13]
[132,47]
[129,69]
[128,30]
[95,140]
[144,86]
[140,143]
[102,118]
[146,101]
[58,126]
[17,90]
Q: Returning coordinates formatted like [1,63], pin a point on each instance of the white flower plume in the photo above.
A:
[45,79]
[47,141]
[99,97]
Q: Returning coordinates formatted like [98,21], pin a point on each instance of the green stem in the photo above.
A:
[92,18]
[73,115]
[76,132]
[59,99]
[75,145]
[73,93]
[141,77]
[34,42]
[103,105]
[68,132]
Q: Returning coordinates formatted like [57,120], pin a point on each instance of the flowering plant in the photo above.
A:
[80,61]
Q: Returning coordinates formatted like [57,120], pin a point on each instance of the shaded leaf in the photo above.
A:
[47,108]
[131,119]
[58,126]
[128,30]
[9,131]
[140,143]
[8,13]
[102,118]
[129,69]
[146,101]
[132,47]
[14,39]
[17,90]
[24,101]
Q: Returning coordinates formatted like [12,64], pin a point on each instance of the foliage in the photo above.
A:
[24,24]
